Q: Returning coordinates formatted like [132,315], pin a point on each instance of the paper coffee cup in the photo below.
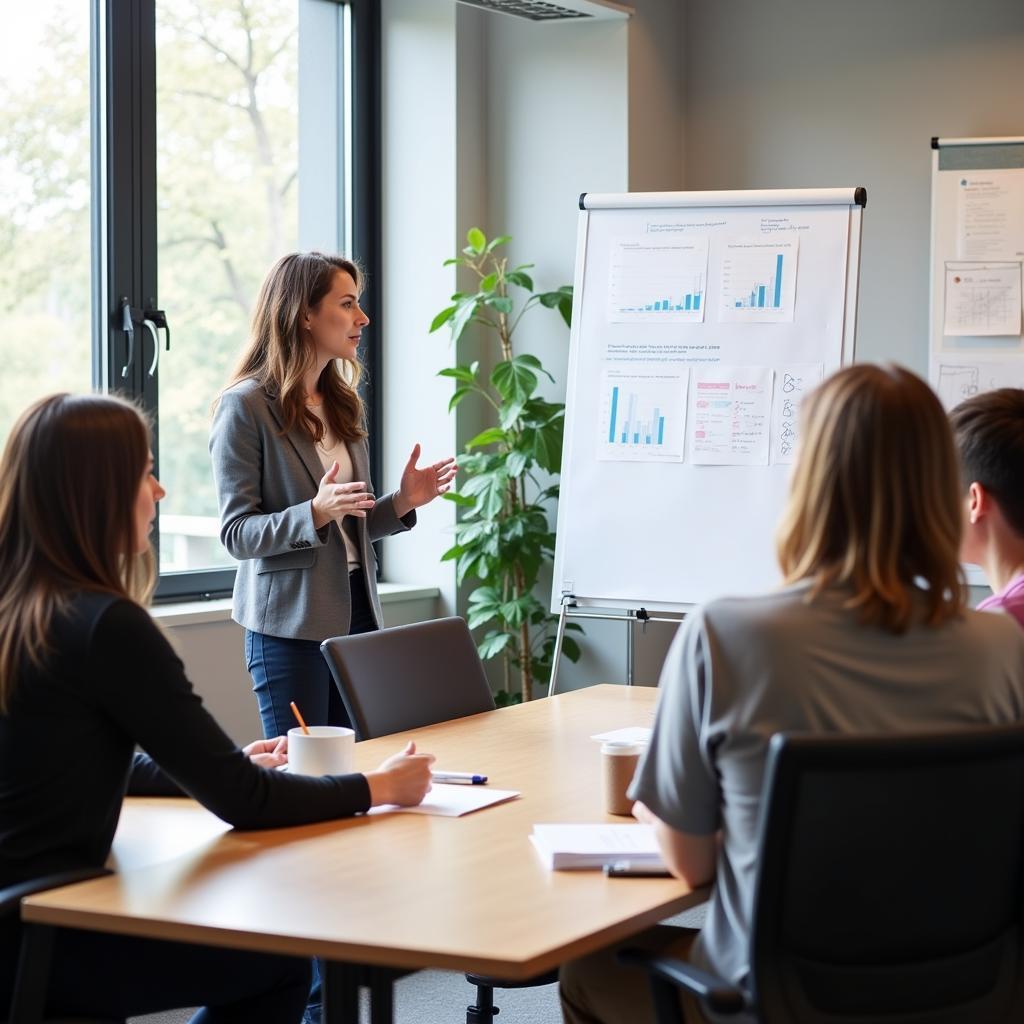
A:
[327,750]
[618,765]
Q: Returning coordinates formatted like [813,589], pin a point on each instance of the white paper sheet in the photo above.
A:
[982,300]
[643,413]
[792,384]
[730,410]
[658,280]
[990,215]
[758,279]
[449,801]
[959,379]
[631,734]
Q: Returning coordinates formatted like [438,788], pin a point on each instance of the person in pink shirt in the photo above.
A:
[989,431]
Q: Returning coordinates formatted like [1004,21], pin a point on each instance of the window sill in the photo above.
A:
[194,613]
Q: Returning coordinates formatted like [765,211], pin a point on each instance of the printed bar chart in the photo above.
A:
[658,280]
[643,415]
[635,430]
[769,293]
[759,279]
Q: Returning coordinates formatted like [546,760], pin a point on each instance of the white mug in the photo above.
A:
[327,750]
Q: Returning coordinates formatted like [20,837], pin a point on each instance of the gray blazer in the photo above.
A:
[292,579]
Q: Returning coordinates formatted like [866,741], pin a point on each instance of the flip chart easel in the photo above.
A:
[699,321]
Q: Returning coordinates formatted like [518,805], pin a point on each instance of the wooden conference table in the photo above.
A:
[401,891]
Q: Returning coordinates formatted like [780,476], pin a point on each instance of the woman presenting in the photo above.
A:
[297,509]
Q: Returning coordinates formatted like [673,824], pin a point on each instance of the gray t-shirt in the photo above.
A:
[742,669]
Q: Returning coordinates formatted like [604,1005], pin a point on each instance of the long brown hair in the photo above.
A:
[874,504]
[69,477]
[279,354]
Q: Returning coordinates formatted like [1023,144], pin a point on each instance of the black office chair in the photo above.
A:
[29,998]
[890,886]
[408,677]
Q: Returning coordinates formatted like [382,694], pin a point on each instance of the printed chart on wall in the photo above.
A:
[701,321]
[977,298]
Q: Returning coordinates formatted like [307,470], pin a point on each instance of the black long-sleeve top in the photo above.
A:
[67,747]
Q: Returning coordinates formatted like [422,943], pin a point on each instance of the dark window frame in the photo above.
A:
[124,243]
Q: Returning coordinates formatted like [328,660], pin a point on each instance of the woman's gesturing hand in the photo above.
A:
[420,486]
[334,500]
[402,779]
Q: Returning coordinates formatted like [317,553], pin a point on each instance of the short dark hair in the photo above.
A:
[989,432]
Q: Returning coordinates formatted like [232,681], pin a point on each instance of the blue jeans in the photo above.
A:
[284,670]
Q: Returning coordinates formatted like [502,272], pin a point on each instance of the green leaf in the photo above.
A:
[488,283]
[510,413]
[466,373]
[513,380]
[452,553]
[534,363]
[442,318]
[458,395]
[465,312]
[570,648]
[495,242]
[501,303]
[491,435]
[565,308]
[493,644]
[459,499]
[517,277]
[516,464]
[477,240]
[452,260]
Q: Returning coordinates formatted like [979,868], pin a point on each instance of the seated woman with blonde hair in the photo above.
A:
[85,675]
[869,634]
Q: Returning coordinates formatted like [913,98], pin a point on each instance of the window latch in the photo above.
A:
[151,320]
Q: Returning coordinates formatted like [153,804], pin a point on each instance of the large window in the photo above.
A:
[156,157]
[45,203]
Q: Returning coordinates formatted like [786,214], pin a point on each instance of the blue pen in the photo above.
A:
[466,778]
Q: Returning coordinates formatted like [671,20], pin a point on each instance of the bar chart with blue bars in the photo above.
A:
[759,279]
[643,415]
[658,280]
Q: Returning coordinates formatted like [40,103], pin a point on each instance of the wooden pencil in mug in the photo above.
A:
[299,718]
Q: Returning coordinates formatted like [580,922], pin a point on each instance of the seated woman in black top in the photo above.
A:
[85,675]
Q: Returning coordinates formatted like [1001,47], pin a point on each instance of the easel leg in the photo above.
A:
[629,649]
[559,636]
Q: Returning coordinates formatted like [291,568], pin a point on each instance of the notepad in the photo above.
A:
[569,847]
[452,801]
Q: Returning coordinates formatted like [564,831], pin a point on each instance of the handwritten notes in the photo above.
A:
[792,383]
[730,412]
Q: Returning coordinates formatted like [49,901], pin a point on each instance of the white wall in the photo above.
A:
[805,93]
[419,232]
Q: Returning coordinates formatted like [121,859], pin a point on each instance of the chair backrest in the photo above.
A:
[408,676]
[890,883]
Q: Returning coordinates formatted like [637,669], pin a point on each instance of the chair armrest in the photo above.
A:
[12,895]
[717,993]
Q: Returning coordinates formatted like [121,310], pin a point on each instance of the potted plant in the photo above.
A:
[508,478]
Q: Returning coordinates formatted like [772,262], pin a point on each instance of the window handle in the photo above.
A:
[151,320]
[128,326]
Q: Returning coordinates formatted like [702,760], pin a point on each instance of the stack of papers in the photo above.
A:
[564,847]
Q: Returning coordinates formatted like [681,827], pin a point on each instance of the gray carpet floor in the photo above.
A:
[441,997]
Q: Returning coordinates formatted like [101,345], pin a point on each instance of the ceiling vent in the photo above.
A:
[554,10]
